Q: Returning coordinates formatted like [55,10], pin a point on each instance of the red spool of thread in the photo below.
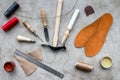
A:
[11,23]
[9,66]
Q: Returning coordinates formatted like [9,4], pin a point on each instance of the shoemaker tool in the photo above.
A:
[38,63]
[44,21]
[43,44]
[57,23]
[31,29]
[55,48]
[70,25]
[24,39]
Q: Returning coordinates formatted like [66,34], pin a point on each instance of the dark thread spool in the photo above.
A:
[11,23]
[11,9]
[9,66]
[84,66]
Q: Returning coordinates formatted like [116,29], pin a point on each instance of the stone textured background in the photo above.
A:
[62,61]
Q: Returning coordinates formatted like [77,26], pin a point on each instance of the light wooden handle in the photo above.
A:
[43,16]
[66,34]
[22,38]
[57,23]
[28,26]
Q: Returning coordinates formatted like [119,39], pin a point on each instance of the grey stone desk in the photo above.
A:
[62,61]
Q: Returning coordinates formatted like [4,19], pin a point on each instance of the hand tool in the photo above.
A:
[40,64]
[70,25]
[57,23]
[24,39]
[55,48]
[44,21]
[31,29]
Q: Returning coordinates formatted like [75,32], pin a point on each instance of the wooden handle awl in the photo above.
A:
[70,25]
[66,34]
[28,26]
[43,16]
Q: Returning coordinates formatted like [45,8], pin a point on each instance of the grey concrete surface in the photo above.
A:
[63,61]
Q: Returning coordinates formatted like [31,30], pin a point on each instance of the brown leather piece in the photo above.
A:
[85,34]
[95,44]
[89,10]
[93,36]
[27,66]
[37,54]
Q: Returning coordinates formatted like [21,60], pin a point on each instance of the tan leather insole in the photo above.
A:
[84,35]
[96,42]
[94,35]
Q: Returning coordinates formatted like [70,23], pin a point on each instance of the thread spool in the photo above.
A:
[9,66]
[11,23]
[11,9]
[84,66]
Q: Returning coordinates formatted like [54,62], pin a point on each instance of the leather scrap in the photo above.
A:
[89,10]
[27,66]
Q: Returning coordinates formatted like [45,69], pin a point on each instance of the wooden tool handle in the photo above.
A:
[43,16]
[57,23]
[66,34]
[28,26]
[22,38]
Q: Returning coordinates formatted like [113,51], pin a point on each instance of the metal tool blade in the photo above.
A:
[38,36]
[46,34]
[45,67]
[55,48]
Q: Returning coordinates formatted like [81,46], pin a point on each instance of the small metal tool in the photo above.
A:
[40,64]
[55,48]
[44,21]
[31,29]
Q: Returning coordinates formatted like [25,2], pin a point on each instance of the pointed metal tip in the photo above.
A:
[33,41]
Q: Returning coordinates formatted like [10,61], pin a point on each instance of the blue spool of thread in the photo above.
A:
[11,9]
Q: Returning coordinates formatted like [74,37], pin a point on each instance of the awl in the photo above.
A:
[44,21]
[70,25]
[31,29]
[24,39]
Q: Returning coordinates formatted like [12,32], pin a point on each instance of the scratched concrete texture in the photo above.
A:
[62,61]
